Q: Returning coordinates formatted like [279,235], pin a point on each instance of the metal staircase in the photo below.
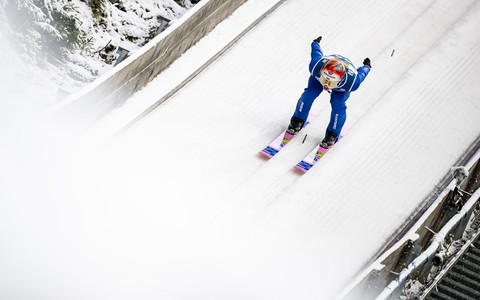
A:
[462,281]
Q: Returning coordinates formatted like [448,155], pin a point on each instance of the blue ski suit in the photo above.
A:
[339,95]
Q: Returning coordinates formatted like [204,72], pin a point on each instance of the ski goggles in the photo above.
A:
[328,83]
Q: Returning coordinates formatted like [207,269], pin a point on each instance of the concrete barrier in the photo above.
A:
[113,89]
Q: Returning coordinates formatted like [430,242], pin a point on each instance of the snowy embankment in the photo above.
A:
[111,90]
[54,48]
[181,207]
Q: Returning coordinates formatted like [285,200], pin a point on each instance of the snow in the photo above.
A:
[181,206]
[127,24]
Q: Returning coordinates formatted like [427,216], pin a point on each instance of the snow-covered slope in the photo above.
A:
[182,207]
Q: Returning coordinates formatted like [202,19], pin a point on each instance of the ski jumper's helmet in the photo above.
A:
[331,73]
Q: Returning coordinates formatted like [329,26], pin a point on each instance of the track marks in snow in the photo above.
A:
[396,150]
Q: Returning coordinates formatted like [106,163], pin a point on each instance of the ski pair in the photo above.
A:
[308,162]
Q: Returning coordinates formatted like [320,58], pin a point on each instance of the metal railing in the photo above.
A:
[424,245]
[435,253]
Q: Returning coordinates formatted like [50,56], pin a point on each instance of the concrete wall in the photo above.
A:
[136,71]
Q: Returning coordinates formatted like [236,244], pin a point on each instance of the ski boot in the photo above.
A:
[329,140]
[294,127]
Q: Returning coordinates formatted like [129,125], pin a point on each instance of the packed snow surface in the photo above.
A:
[181,206]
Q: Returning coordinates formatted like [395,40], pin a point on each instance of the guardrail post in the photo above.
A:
[408,254]
[423,271]
[459,230]
[122,55]
[473,182]
[163,24]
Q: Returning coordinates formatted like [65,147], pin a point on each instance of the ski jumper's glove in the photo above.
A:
[318,39]
[366,62]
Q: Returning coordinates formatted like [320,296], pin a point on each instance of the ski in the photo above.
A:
[313,157]
[281,141]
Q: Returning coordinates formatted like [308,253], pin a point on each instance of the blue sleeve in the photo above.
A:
[362,74]
[316,55]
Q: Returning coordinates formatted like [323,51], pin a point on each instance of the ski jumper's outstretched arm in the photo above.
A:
[362,74]
[313,89]
[315,55]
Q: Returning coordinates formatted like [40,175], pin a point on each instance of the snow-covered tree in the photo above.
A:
[79,38]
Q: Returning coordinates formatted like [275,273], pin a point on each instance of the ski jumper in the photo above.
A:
[339,95]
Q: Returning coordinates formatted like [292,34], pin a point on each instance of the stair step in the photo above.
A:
[474,250]
[438,295]
[476,243]
[472,278]
[472,257]
[469,265]
[461,287]
[467,272]
[457,295]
